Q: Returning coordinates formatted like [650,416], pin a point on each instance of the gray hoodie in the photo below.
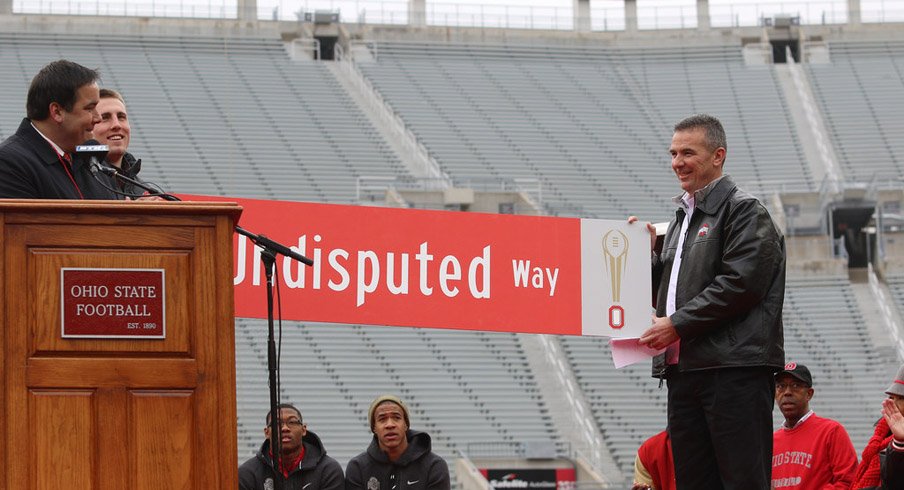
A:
[417,469]
[317,471]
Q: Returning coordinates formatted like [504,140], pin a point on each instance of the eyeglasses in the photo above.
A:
[291,423]
[793,386]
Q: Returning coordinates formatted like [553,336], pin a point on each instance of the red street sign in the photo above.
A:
[443,269]
[113,303]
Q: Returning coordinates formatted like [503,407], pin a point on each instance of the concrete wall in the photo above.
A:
[894,254]
[811,255]
[146,26]
[803,212]
[469,200]
[468,477]
[62,24]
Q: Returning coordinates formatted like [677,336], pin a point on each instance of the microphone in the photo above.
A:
[95,153]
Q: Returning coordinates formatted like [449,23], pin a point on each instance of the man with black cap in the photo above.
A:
[809,452]
[398,458]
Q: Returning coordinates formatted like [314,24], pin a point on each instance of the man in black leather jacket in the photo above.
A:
[721,280]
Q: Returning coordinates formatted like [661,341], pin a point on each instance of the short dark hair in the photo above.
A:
[715,133]
[109,93]
[286,405]
[58,82]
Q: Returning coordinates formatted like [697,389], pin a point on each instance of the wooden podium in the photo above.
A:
[119,412]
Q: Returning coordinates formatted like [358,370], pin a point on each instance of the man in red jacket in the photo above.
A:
[653,466]
[808,451]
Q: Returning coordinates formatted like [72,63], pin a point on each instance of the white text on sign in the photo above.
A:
[367,271]
[524,275]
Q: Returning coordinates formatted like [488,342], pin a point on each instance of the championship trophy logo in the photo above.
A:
[615,254]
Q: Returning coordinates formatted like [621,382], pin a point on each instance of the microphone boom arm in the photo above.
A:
[115,173]
[276,247]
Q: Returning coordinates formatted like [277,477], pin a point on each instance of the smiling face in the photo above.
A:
[693,161]
[113,129]
[390,429]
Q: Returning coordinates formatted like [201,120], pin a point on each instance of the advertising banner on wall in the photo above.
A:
[445,269]
[540,479]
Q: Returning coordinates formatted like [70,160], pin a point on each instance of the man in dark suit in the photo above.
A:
[37,162]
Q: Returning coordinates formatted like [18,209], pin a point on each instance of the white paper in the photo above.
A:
[629,350]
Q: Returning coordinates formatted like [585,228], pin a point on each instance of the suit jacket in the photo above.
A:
[31,169]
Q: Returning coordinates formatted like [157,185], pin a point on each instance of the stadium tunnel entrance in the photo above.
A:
[850,232]
[781,48]
[327,47]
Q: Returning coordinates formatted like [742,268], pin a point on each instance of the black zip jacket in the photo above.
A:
[731,286]
[417,469]
[130,168]
[317,471]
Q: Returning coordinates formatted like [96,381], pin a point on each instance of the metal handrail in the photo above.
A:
[488,14]
[426,164]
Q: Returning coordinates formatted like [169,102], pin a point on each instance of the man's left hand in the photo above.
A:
[661,334]
[148,197]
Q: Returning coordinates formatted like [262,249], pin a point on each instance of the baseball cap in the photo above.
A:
[801,373]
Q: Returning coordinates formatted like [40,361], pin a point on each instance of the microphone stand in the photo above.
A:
[114,172]
[269,251]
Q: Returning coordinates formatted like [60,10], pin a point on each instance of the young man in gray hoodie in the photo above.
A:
[398,458]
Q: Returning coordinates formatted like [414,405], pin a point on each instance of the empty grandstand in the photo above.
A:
[251,123]
[231,108]
[857,93]
[590,123]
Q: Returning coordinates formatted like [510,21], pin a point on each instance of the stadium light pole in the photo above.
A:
[853,7]
[703,19]
[630,15]
[582,15]
[247,10]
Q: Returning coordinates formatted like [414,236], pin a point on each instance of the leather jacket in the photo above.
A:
[731,286]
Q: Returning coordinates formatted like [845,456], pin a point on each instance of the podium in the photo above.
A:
[90,401]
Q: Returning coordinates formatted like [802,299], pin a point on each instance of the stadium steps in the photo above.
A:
[859,93]
[462,387]
[589,123]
